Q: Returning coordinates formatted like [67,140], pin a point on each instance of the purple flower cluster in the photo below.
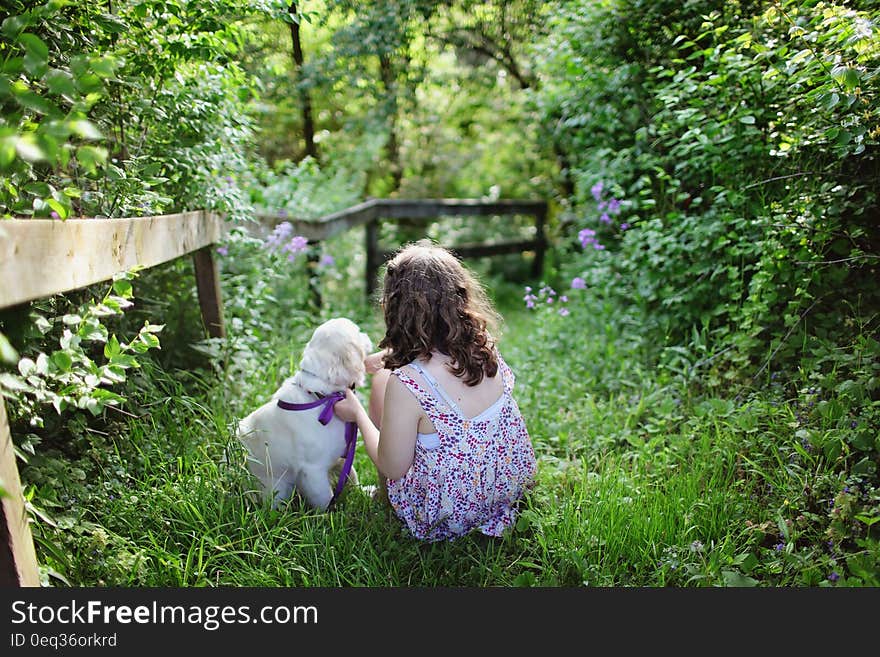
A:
[578,283]
[282,238]
[546,296]
[608,208]
[327,260]
[587,236]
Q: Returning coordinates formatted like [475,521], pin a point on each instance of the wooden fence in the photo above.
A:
[372,212]
[40,258]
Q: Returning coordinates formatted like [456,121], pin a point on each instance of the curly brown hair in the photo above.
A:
[433,302]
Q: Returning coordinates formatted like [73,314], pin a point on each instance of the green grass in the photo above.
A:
[644,480]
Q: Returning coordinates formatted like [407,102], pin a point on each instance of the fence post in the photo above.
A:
[312,261]
[208,286]
[373,255]
[18,559]
[541,242]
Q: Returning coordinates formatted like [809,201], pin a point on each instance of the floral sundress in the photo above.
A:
[470,474]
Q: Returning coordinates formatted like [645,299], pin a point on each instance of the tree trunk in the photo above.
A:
[393,146]
[305,99]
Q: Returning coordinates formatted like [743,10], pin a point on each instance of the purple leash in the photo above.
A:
[324,418]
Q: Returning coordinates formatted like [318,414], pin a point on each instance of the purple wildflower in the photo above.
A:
[605,219]
[587,236]
[530,303]
[614,206]
[578,283]
[563,312]
[779,547]
[549,299]
[598,246]
[624,226]
[296,245]
[327,260]
[222,250]
[596,190]
[834,576]
[54,215]
[279,235]
[563,299]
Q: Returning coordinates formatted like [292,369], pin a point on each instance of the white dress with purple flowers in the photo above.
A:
[472,472]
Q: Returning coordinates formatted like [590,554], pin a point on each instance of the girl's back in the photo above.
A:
[473,460]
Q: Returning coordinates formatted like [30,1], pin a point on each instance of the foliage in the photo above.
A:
[136,111]
[71,375]
[750,209]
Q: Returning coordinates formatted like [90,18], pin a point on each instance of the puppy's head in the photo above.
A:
[333,359]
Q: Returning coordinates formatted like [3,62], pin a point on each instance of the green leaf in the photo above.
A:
[62,360]
[868,520]
[85,129]
[749,120]
[60,82]
[28,150]
[112,347]
[735,578]
[150,340]
[865,467]
[12,382]
[7,351]
[62,210]
[103,67]
[851,79]
[123,288]
[7,151]
[36,59]
[90,157]
[13,25]
[33,101]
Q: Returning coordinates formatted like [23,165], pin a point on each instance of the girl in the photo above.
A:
[453,448]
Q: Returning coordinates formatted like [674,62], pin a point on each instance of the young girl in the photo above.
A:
[453,447]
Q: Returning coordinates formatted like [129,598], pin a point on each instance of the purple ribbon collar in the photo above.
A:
[324,418]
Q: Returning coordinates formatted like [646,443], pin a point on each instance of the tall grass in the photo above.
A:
[643,481]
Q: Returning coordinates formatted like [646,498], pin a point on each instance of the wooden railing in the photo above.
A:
[42,257]
[372,212]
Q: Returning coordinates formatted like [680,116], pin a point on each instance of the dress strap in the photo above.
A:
[507,375]
[425,398]
[436,387]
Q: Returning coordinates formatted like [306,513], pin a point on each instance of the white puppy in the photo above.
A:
[290,450]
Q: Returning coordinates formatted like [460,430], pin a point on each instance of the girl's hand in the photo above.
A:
[348,409]
[373,362]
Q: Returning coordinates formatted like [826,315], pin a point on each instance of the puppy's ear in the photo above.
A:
[353,361]
[367,344]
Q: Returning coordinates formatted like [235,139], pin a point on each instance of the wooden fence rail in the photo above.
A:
[371,212]
[43,257]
